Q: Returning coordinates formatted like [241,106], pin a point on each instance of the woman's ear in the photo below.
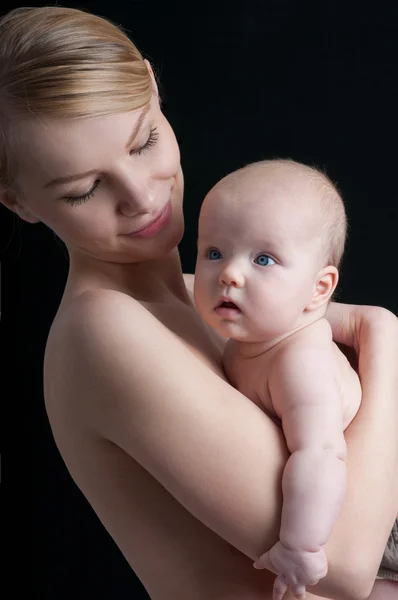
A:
[10,200]
[324,286]
[151,73]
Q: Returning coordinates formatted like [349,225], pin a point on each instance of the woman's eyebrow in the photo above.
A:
[69,178]
[138,126]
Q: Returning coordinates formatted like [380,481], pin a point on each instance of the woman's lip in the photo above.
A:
[156,225]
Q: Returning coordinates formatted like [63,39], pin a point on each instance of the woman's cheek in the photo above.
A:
[168,151]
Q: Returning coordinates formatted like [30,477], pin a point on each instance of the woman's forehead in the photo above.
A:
[62,147]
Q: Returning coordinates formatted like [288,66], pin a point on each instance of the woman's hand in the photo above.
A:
[359,537]
[355,326]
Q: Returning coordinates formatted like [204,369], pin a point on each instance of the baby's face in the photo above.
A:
[258,256]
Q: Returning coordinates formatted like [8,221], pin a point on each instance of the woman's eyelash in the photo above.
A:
[84,197]
[151,141]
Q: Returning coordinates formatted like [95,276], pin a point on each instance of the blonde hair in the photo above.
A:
[332,210]
[64,63]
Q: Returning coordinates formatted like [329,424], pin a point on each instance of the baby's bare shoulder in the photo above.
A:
[308,352]
[312,341]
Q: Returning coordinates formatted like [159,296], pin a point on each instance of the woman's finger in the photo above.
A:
[343,320]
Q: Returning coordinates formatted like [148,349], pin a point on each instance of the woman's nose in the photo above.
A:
[231,275]
[134,204]
[136,196]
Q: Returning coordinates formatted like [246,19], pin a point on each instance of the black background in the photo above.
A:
[313,81]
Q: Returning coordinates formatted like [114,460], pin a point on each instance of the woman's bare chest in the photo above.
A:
[185,323]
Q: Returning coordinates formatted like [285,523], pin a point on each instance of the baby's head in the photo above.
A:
[271,238]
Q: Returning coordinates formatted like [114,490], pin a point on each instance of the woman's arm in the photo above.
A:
[216,452]
[371,505]
[211,448]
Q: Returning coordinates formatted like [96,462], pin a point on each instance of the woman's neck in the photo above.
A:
[151,281]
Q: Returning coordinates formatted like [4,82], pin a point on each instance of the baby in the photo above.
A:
[271,237]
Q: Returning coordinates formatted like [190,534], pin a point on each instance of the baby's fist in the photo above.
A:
[295,568]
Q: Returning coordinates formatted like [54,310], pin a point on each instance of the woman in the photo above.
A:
[183,471]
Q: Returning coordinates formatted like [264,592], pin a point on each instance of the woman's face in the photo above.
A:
[98,182]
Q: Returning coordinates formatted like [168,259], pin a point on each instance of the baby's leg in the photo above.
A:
[384,590]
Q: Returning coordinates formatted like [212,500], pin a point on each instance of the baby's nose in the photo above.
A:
[231,275]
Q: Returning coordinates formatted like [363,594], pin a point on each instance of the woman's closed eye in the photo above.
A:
[151,141]
[83,197]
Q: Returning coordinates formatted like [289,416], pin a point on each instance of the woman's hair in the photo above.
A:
[64,63]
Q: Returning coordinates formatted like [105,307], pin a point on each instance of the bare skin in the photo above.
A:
[263,279]
[173,554]
[166,451]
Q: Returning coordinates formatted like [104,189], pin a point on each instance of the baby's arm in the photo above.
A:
[306,398]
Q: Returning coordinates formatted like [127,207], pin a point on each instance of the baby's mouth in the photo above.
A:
[225,308]
[227,305]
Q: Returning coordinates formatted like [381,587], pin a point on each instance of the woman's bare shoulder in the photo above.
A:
[93,304]
[96,325]
[88,328]
[102,350]
[104,336]
[95,316]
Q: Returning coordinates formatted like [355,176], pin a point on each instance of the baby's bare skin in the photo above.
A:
[252,373]
[264,277]
[313,420]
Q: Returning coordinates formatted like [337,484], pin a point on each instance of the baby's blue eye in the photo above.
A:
[264,260]
[214,254]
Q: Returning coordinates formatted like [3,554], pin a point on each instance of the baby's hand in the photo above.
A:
[294,568]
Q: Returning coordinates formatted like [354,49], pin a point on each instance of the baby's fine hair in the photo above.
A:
[58,62]
[333,214]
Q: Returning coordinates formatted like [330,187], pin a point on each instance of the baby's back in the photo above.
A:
[251,375]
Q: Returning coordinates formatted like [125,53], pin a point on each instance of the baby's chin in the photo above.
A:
[234,331]
[243,335]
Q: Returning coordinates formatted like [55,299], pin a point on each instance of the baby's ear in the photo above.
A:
[10,200]
[324,286]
